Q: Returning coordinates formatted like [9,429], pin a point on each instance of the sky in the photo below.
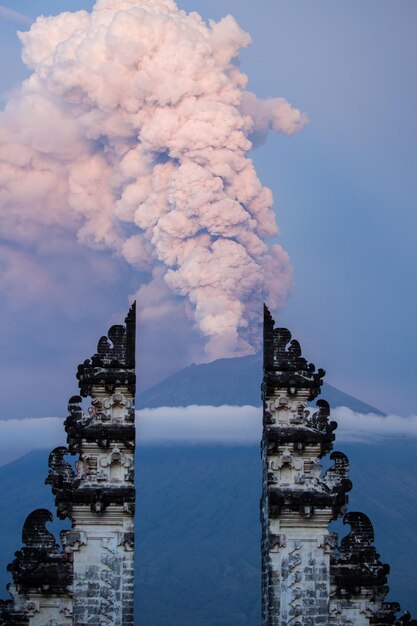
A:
[345,200]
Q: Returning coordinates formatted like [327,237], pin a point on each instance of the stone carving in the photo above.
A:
[116,456]
[357,562]
[40,564]
[61,475]
[73,422]
[98,426]
[337,476]
[276,542]
[284,365]
[30,607]
[320,419]
[73,539]
[328,543]
[358,576]
[127,540]
[113,365]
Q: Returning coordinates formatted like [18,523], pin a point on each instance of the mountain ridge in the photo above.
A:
[234,381]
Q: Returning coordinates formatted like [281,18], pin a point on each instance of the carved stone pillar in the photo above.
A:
[307,579]
[100,498]
[298,502]
[91,579]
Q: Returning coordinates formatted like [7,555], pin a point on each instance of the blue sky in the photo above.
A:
[345,198]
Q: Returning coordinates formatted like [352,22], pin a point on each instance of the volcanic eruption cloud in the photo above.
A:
[132,134]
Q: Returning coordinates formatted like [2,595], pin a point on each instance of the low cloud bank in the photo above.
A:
[354,426]
[243,425]
[239,425]
[200,424]
[17,437]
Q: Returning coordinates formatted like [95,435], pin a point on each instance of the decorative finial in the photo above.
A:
[114,362]
[284,365]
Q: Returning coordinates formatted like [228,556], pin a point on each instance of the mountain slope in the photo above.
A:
[228,381]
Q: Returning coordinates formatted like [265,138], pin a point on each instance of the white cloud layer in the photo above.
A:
[239,425]
[235,424]
[194,424]
[199,424]
[17,437]
[132,134]
[354,426]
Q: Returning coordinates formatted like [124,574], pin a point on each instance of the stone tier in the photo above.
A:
[298,439]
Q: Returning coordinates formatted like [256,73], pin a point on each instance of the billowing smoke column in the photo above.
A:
[133,132]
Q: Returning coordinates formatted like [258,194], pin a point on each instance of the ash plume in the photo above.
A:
[133,133]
